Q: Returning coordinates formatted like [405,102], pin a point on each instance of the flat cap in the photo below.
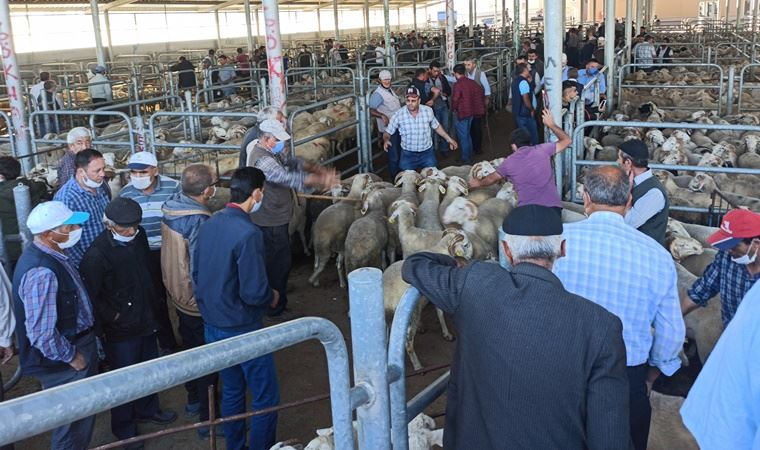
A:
[636,149]
[124,211]
[533,220]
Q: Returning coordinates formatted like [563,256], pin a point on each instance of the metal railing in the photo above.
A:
[744,86]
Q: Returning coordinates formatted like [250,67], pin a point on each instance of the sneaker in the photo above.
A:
[164,417]
[205,432]
[192,409]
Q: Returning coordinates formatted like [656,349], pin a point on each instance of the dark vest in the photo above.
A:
[518,106]
[67,306]
[277,206]
[656,226]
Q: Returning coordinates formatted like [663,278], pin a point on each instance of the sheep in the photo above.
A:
[667,430]
[700,232]
[428,210]
[456,187]
[707,183]
[483,221]
[421,431]
[330,229]
[367,237]
[697,263]
[298,222]
[413,239]
[682,247]
[569,216]
[453,243]
[704,325]
[408,180]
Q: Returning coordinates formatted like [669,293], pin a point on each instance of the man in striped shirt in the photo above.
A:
[150,190]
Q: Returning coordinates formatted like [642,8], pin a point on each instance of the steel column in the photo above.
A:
[584,11]
[730,89]
[553,34]
[516,29]
[739,13]
[107,18]
[609,51]
[387,31]
[14,88]
[248,30]
[639,15]
[450,36]
[23,202]
[366,19]
[258,27]
[218,32]
[335,20]
[274,54]
[369,348]
[319,22]
[527,14]
[471,17]
[593,12]
[414,14]
[99,51]
[628,29]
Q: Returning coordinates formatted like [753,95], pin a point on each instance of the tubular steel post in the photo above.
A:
[553,68]
[609,51]
[15,89]
[107,18]
[274,53]
[628,27]
[365,294]
[414,14]
[31,414]
[730,89]
[639,15]
[584,11]
[516,29]
[471,18]
[451,58]
[248,30]
[218,31]
[387,31]
[100,53]
[335,20]
[368,34]
[23,202]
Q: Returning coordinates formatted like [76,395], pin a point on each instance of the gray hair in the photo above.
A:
[608,185]
[78,133]
[523,248]
[268,112]
[108,222]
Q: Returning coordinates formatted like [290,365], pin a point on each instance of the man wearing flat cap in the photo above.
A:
[548,366]
[383,103]
[736,267]
[650,206]
[116,272]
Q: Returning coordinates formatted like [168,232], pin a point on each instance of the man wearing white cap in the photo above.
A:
[383,103]
[54,318]
[284,172]
[150,190]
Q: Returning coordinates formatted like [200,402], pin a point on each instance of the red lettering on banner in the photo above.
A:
[7,71]
[271,63]
[12,93]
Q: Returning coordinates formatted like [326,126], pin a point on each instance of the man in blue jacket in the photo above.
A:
[233,295]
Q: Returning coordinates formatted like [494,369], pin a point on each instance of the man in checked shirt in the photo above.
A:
[54,319]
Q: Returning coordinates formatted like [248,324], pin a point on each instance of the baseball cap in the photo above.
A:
[142,160]
[53,214]
[124,211]
[736,225]
[385,75]
[533,220]
[636,149]
[100,69]
[275,128]
[412,91]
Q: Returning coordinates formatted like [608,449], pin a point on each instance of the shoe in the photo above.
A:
[285,316]
[205,432]
[164,417]
[192,409]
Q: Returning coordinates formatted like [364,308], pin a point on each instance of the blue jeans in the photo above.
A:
[260,377]
[417,160]
[278,259]
[442,116]
[123,354]
[76,435]
[465,139]
[529,123]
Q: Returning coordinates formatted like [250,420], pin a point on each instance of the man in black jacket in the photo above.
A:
[440,101]
[123,292]
[546,365]
[186,74]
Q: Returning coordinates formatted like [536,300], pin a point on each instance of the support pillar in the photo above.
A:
[450,44]
[593,12]
[628,23]
[414,14]
[609,51]
[274,54]
[471,17]
[553,36]
[516,28]
[218,30]
[107,18]
[319,22]
[584,11]
[526,25]
[99,51]
[249,34]
[387,31]
[739,13]
[366,20]
[639,15]
[335,20]
[15,89]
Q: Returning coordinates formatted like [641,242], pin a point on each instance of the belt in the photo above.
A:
[81,334]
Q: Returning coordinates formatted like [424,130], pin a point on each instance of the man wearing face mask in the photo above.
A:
[123,302]
[230,283]
[86,192]
[535,64]
[54,316]
[284,172]
[549,366]
[184,213]
[736,267]
[150,190]
[650,207]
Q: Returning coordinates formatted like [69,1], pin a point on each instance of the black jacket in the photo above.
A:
[186,77]
[536,367]
[119,282]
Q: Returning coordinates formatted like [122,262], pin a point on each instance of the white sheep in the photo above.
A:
[456,187]
[367,237]
[667,431]
[427,217]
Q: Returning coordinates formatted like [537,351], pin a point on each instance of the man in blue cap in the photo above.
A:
[54,318]
[547,365]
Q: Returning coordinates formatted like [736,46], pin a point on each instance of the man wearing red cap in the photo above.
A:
[735,268]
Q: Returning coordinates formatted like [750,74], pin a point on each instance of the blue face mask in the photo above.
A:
[593,71]
[278,147]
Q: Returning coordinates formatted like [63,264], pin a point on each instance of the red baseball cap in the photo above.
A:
[737,224]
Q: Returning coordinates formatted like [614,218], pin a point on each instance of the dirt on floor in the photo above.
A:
[302,369]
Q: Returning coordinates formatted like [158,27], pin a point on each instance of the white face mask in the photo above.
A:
[120,238]
[257,205]
[90,183]
[141,182]
[213,194]
[74,237]
[746,259]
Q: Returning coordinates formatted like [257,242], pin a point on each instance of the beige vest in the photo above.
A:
[391,104]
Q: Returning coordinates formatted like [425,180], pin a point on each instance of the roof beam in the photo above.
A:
[116,4]
[221,5]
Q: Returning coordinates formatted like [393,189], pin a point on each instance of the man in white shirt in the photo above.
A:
[36,90]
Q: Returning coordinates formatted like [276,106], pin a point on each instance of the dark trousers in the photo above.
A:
[126,353]
[394,155]
[476,133]
[75,435]
[100,121]
[192,333]
[640,408]
[529,123]
[165,334]
[260,378]
[278,259]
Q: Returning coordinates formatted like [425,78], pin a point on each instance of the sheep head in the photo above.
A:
[751,141]
[711,160]
[680,247]
[671,145]
[371,200]
[407,177]
[401,207]
[457,243]
[497,162]
[675,158]
[592,147]
[508,194]
[218,132]
[481,170]
[432,172]
[702,182]
[432,181]
[460,211]
[726,152]
[676,228]
[655,138]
